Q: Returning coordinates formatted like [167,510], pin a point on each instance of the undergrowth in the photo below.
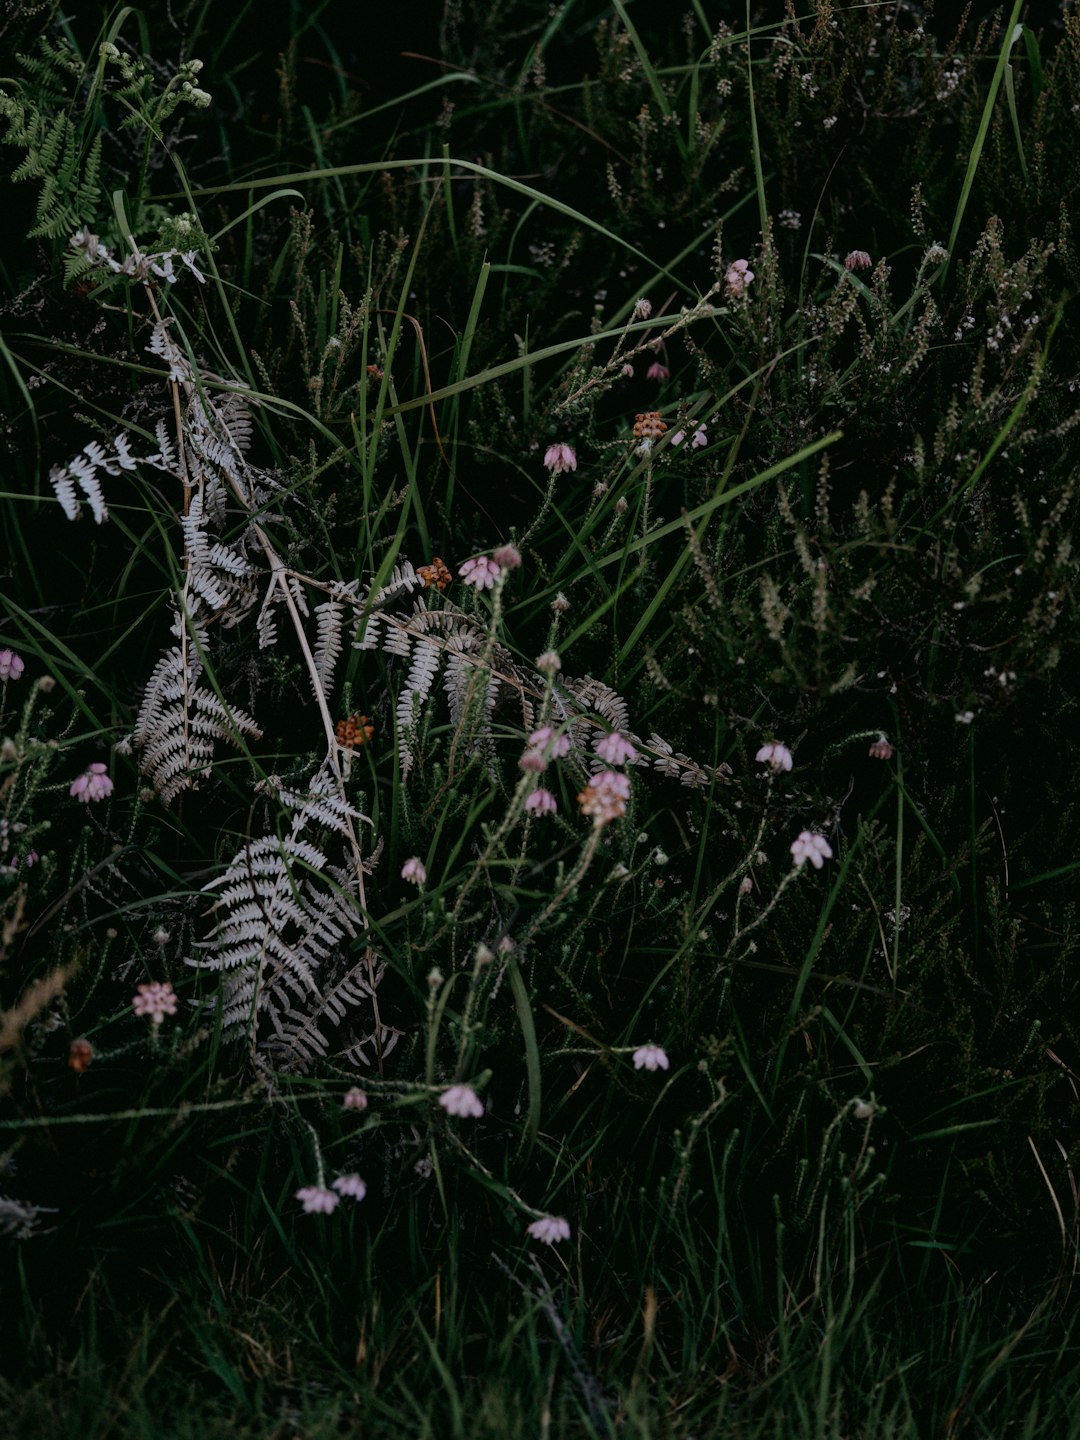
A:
[538,693]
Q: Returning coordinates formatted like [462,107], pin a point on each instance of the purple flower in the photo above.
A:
[350,1185]
[533,762]
[541,802]
[808,845]
[881,750]
[480,571]
[549,1228]
[778,756]
[462,1101]
[12,665]
[413,871]
[317,1200]
[156,1000]
[559,458]
[92,784]
[656,371]
[355,1099]
[614,749]
[858,260]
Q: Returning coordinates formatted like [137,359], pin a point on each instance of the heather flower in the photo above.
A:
[80,1054]
[605,797]
[560,604]
[549,1229]
[778,756]
[656,371]
[156,1000]
[544,737]
[93,784]
[651,1057]
[480,571]
[507,557]
[355,1099]
[810,846]
[560,458]
[614,749]
[413,870]
[642,309]
[463,1101]
[857,260]
[533,762]
[317,1200]
[881,749]
[738,277]
[628,371]
[745,885]
[549,662]
[12,665]
[700,437]
[541,802]
[350,1185]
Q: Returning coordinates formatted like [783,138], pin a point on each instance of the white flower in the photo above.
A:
[642,309]
[810,846]
[778,756]
[650,1057]
[350,1185]
[317,1200]
[549,1229]
[463,1101]
[549,662]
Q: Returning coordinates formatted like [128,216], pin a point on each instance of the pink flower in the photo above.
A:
[614,749]
[745,885]
[507,557]
[350,1185]
[559,458]
[541,802]
[156,1000]
[480,571]
[542,739]
[778,756]
[650,1057]
[413,870]
[317,1200]
[700,437]
[549,1228]
[355,1099]
[628,371]
[642,309]
[11,665]
[881,750]
[462,1101]
[656,371]
[604,797]
[858,260]
[533,762]
[549,662]
[92,784]
[810,846]
[738,277]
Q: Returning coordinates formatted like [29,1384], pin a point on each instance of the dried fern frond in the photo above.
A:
[285,918]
